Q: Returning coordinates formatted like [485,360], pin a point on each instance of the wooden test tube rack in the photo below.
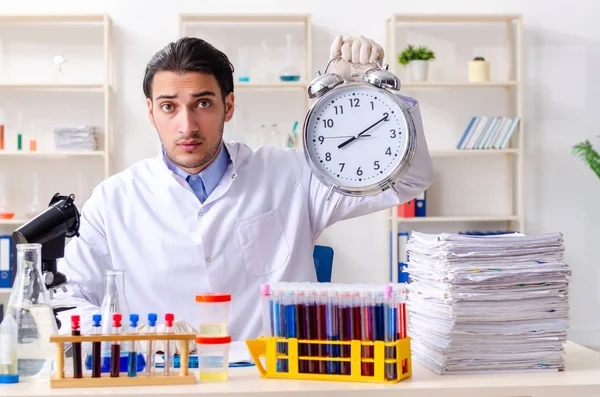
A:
[183,377]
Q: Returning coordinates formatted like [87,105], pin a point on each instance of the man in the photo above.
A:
[208,216]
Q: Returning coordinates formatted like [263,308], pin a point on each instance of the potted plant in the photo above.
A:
[587,153]
[417,59]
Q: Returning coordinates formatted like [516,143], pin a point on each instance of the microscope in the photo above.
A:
[51,228]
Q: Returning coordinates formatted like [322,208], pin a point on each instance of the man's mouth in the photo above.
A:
[189,145]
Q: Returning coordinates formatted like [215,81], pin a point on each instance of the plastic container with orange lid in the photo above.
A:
[213,314]
[213,358]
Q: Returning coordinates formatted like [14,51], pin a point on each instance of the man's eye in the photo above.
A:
[166,107]
[203,104]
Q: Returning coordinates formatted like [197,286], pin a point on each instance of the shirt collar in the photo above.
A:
[210,176]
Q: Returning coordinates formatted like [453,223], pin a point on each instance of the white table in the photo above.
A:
[581,378]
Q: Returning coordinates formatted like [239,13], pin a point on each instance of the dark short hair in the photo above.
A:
[190,54]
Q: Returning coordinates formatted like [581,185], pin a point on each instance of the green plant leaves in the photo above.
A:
[586,152]
[413,53]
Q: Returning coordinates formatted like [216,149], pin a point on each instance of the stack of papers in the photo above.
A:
[76,138]
[481,304]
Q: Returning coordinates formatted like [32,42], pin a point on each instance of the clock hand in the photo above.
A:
[343,136]
[341,145]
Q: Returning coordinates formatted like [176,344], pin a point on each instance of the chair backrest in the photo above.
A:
[323,257]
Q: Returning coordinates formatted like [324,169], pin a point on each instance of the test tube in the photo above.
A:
[76,331]
[115,352]
[390,332]
[344,329]
[333,367]
[367,330]
[96,347]
[321,309]
[267,312]
[169,317]
[150,329]
[132,362]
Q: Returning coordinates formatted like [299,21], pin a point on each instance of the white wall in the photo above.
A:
[562,54]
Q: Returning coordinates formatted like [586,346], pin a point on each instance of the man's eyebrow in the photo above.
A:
[203,93]
[195,95]
[165,96]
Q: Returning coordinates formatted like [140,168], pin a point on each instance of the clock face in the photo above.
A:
[356,135]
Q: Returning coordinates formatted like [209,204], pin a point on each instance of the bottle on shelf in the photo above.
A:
[290,72]
[34,208]
[6,209]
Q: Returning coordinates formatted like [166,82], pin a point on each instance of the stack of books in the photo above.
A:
[81,138]
[484,132]
[490,303]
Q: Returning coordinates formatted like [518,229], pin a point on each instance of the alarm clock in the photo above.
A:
[358,137]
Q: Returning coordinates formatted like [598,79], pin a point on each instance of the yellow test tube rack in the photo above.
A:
[267,348]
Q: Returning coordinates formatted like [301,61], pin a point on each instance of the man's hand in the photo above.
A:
[358,54]
[179,327]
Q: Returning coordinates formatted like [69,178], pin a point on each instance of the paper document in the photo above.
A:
[488,303]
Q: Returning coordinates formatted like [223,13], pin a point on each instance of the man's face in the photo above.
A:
[189,114]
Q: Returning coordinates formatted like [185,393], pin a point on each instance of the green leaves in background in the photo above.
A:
[412,53]
[586,152]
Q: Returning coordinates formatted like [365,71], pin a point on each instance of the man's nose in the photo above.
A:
[187,122]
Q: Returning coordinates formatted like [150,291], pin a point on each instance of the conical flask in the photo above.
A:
[30,307]
[114,301]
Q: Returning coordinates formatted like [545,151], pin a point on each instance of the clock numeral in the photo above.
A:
[387,116]
[321,139]
[359,172]
[389,151]
[393,133]
[376,165]
[372,105]
[342,164]
[354,102]
[339,109]
[327,123]
[328,156]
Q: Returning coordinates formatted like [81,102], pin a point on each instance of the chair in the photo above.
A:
[323,257]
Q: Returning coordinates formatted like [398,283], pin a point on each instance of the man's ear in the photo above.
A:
[150,114]
[229,106]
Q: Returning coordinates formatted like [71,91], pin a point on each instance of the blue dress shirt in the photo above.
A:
[206,181]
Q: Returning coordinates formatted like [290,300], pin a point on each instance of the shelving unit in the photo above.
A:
[28,80]
[509,82]
[269,30]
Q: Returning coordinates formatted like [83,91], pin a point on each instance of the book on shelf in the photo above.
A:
[488,132]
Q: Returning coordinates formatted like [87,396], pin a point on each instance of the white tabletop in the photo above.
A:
[581,378]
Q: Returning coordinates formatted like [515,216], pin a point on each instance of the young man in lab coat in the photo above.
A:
[209,216]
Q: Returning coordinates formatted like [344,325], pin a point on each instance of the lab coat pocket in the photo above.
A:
[263,243]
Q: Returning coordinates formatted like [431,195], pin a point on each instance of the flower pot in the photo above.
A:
[418,70]
[479,71]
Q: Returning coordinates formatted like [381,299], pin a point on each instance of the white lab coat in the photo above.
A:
[259,225]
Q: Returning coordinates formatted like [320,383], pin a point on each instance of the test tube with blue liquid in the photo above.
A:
[132,363]
[150,329]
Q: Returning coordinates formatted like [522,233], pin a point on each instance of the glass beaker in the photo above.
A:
[30,307]
[290,72]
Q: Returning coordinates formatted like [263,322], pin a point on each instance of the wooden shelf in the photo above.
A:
[83,18]
[91,87]
[460,84]
[436,219]
[95,153]
[258,18]
[460,18]
[11,222]
[472,153]
[271,86]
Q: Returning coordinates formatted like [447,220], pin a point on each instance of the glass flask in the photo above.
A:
[290,72]
[30,307]
[114,301]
